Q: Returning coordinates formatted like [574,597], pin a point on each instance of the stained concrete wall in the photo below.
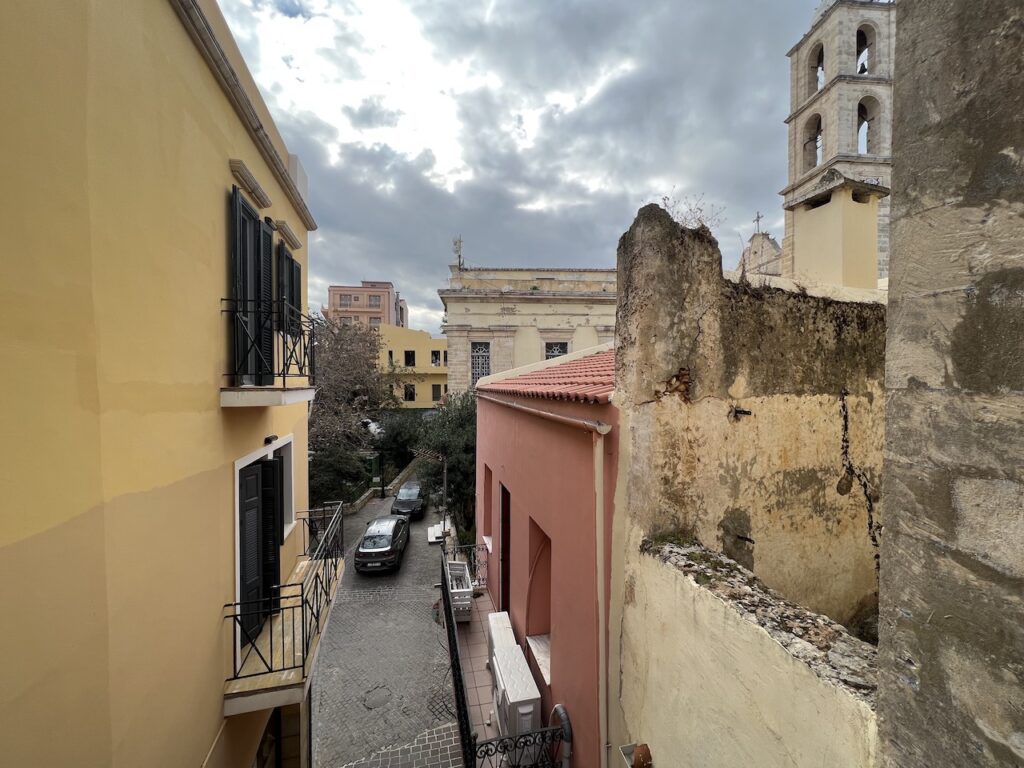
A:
[788,490]
[719,672]
[952,645]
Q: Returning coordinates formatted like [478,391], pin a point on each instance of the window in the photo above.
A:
[867,126]
[410,358]
[816,70]
[252,294]
[345,300]
[865,46]
[555,349]
[479,361]
[391,357]
[345,320]
[446,389]
[355,298]
[374,302]
[435,392]
[374,322]
[813,147]
[289,289]
[435,357]
[410,393]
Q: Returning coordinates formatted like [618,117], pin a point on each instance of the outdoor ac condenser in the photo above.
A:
[516,698]
[499,633]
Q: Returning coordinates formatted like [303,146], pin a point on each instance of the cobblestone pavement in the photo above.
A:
[382,678]
[436,748]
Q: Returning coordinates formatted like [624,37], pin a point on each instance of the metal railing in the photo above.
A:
[272,343]
[535,749]
[276,632]
[475,558]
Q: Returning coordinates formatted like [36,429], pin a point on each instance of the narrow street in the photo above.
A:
[382,689]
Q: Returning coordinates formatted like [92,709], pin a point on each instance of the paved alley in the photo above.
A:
[382,690]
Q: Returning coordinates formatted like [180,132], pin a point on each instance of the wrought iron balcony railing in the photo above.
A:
[278,633]
[271,344]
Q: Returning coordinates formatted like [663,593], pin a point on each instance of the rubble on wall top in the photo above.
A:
[822,644]
[818,290]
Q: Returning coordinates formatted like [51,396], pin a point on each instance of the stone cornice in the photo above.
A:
[202,34]
[818,95]
[505,297]
[831,163]
[874,4]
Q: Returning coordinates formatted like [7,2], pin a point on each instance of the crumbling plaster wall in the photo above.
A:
[786,490]
[722,673]
[952,584]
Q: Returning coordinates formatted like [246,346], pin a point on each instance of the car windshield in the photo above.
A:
[376,541]
[408,493]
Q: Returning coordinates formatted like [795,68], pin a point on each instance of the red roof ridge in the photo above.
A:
[587,379]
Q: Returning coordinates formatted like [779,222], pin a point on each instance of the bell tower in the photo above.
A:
[840,139]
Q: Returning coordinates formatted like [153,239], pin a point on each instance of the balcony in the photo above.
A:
[271,361]
[274,641]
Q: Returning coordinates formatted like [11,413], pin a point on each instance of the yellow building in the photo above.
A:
[155,407]
[419,361]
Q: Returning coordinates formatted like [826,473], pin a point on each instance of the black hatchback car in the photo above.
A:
[383,544]
[409,501]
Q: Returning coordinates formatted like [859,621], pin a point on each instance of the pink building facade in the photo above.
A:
[547,453]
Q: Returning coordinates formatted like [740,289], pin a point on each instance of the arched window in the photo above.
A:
[816,69]
[866,63]
[813,147]
[868,126]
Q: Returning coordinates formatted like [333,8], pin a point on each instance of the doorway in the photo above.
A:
[260,534]
[505,511]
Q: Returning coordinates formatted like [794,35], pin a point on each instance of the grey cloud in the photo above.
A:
[701,108]
[372,114]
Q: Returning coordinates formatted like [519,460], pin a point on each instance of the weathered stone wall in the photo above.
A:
[719,672]
[952,621]
[756,417]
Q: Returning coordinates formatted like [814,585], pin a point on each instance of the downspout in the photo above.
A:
[598,430]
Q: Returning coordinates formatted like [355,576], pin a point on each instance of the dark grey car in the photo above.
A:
[409,501]
[383,544]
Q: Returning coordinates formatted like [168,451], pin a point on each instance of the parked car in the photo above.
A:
[383,544]
[409,501]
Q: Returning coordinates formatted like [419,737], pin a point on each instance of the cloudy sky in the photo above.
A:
[532,128]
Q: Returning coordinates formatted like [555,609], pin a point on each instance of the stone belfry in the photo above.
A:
[840,138]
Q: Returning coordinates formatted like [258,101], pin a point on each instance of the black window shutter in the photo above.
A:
[266,304]
[284,281]
[297,293]
[250,561]
[271,531]
[237,294]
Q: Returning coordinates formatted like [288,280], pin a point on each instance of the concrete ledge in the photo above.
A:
[823,645]
[261,397]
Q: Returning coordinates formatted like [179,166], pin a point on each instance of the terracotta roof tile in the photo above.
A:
[589,379]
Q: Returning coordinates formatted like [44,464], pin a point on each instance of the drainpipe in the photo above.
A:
[598,430]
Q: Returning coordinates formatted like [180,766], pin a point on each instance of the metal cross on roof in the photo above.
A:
[757,221]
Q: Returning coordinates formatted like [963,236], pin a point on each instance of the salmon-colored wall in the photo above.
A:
[547,468]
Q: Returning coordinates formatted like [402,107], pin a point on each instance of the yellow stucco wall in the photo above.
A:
[423,376]
[837,243]
[702,685]
[117,532]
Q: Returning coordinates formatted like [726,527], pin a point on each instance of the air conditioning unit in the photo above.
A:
[516,698]
[499,634]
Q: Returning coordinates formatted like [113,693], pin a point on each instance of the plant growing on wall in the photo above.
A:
[693,211]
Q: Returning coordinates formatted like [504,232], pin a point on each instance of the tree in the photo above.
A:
[350,385]
[451,432]
[401,431]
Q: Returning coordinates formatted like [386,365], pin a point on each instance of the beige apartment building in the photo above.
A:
[373,302]
[840,144]
[164,586]
[419,363]
[502,317]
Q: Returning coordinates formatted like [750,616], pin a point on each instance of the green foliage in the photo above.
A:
[451,432]
[402,432]
[337,473]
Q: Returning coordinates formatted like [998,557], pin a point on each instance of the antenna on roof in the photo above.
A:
[457,250]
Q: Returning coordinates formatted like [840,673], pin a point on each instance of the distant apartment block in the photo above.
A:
[501,318]
[419,363]
[373,302]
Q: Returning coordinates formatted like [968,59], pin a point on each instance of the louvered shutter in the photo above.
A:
[271,526]
[284,281]
[297,294]
[250,560]
[266,305]
[237,306]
